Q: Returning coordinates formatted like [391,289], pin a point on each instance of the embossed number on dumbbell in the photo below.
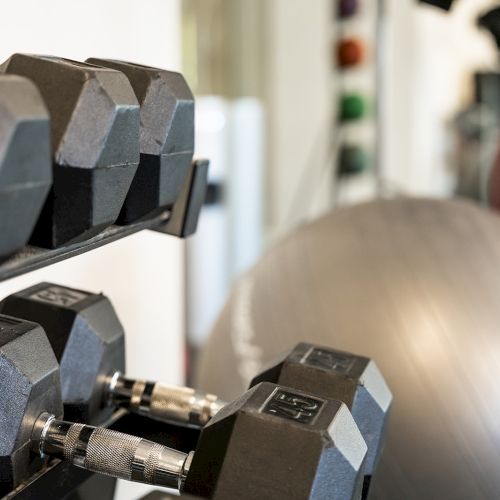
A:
[59,296]
[331,374]
[293,406]
[329,360]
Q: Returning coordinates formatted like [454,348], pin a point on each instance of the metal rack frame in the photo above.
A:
[181,222]
[60,480]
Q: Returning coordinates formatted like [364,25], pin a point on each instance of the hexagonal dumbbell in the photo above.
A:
[272,442]
[29,386]
[89,342]
[276,442]
[353,379]
[30,408]
[95,144]
[25,166]
[166,141]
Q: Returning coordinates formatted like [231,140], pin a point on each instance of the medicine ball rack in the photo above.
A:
[59,480]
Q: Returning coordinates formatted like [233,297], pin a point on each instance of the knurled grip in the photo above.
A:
[163,402]
[109,452]
[178,403]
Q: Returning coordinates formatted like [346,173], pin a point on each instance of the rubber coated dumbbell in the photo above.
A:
[166,138]
[270,443]
[276,442]
[95,144]
[353,379]
[25,166]
[30,408]
[89,343]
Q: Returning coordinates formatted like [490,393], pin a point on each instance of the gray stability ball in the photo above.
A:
[413,284]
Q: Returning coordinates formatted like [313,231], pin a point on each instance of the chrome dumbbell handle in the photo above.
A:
[163,402]
[109,452]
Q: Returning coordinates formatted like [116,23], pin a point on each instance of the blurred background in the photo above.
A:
[307,106]
[302,107]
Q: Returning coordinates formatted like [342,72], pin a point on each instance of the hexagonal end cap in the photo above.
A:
[87,337]
[167,106]
[29,386]
[341,375]
[94,111]
[305,444]
[25,160]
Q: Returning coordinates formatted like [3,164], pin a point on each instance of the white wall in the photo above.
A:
[139,30]
[429,59]
[229,235]
[299,101]
[142,274]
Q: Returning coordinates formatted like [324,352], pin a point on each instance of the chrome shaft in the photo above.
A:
[162,402]
[109,452]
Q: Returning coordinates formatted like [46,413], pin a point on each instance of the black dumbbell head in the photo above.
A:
[76,322]
[29,386]
[328,373]
[278,443]
[166,137]
[95,143]
[25,164]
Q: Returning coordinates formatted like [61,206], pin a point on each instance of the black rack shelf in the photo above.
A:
[181,221]
[33,258]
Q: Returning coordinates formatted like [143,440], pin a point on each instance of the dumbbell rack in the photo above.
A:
[59,480]
[181,222]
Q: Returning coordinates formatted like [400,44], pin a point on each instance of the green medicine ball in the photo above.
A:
[352,107]
[352,160]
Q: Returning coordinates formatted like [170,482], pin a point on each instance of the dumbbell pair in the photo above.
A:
[122,139]
[326,373]
[313,369]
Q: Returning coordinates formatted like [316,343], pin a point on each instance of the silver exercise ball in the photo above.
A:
[412,283]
